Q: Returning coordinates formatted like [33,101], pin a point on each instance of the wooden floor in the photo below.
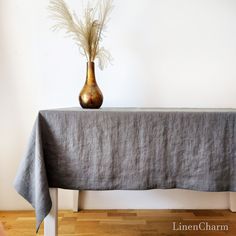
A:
[123,222]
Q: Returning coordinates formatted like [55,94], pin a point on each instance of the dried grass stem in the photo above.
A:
[88,31]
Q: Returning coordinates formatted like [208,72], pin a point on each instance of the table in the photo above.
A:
[127,149]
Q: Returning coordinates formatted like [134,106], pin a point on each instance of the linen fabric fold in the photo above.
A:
[128,149]
[31,180]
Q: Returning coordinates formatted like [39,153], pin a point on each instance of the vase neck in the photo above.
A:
[90,77]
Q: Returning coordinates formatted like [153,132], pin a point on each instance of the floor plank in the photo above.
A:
[123,222]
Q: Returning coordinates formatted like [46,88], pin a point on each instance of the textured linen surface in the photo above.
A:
[129,149]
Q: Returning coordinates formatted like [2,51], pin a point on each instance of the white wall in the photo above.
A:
[167,53]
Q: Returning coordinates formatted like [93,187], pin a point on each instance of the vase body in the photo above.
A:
[90,96]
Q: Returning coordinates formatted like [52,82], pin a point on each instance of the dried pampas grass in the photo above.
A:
[87,32]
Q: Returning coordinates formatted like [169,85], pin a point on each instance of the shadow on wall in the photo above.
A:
[153,199]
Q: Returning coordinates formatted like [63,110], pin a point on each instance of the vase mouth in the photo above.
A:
[90,62]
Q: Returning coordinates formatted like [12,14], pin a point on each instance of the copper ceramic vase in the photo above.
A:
[90,96]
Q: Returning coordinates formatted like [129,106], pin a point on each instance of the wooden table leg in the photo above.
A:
[75,201]
[232,201]
[51,221]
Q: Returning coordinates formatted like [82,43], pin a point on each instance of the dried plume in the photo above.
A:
[87,32]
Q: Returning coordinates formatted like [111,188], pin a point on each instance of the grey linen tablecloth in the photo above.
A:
[129,149]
